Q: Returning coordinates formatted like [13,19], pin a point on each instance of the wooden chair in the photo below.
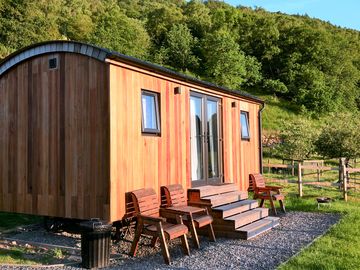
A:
[151,222]
[174,200]
[263,192]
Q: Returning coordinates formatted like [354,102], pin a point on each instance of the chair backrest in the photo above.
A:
[173,195]
[258,180]
[145,202]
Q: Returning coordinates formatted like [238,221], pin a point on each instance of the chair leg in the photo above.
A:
[135,243]
[185,244]
[211,233]
[282,205]
[163,244]
[153,241]
[273,206]
[194,234]
[262,203]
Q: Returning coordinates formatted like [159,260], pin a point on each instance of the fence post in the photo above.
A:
[318,172]
[300,179]
[344,177]
[293,167]
[341,164]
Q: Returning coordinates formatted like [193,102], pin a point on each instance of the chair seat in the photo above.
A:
[171,230]
[278,197]
[203,220]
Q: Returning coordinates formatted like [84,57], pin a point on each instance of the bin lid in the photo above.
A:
[95,225]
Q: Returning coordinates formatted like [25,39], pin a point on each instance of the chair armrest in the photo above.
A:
[274,187]
[263,189]
[150,220]
[171,214]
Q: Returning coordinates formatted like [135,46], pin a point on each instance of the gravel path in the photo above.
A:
[296,230]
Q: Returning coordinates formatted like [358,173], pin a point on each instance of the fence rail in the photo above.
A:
[343,173]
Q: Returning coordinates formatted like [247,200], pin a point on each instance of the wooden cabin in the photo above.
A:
[81,125]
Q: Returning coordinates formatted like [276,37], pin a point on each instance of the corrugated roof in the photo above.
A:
[102,54]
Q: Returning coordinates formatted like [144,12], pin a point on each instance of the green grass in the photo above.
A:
[339,248]
[11,220]
[15,256]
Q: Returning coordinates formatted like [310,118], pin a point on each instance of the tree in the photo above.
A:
[224,62]
[297,140]
[23,23]
[160,20]
[197,17]
[179,46]
[340,136]
[114,30]
[76,21]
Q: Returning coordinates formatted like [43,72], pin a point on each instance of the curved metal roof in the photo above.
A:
[103,54]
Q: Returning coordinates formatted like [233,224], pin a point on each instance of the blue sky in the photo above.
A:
[344,13]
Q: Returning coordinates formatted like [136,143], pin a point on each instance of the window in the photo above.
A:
[150,112]
[244,118]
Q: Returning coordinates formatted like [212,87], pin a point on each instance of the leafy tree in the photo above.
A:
[26,22]
[297,140]
[160,20]
[179,46]
[114,30]
[197,17]
[224,62]
[76,21]
[340,136]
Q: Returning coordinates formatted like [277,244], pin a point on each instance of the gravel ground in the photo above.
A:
[296,230]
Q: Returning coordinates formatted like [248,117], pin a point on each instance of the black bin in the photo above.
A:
[95,243]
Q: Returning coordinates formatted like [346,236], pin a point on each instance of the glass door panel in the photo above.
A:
[212,139]
[196,138]
[205,145]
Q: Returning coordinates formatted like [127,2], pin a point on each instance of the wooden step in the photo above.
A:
[234,208]
[247,217]
[210,190]
[225,198]
[251,230]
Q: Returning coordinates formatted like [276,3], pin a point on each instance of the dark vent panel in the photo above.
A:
[53,63]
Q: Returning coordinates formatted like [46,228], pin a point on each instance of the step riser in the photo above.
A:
[228,199]
[209,191]
[254,233]
[254,217]
[236,222]
[237,210]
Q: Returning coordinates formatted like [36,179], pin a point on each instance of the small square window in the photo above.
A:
[244,120]
[150,112]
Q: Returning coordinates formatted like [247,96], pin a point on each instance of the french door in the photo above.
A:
[205,140]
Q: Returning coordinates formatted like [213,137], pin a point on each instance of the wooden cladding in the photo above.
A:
[71,141]
[54,148]
[146,161]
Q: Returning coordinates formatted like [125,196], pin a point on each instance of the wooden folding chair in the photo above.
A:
[263,192]
[173,198]
[150,222]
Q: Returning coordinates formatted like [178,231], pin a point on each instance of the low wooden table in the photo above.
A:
[187,213]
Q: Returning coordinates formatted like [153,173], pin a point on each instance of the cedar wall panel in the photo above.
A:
[138,160]
[54,130]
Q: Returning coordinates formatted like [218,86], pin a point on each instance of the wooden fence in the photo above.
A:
[343,174]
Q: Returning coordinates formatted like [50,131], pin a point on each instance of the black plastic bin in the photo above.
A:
[95,243]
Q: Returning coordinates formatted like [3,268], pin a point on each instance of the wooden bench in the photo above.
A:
[153,222]
[173,198]
[263,192]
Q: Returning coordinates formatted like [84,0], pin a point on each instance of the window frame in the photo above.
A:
[151,131]
[245,138]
